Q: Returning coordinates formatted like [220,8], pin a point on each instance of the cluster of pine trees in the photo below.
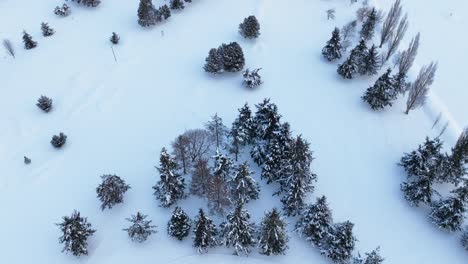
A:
[149,15]
[428,166]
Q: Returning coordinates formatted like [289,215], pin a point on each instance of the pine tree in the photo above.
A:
[422,167]
[58,141]
[29,43]
[332,49]
[62,11]
[267,120]
[114,39]
[170,187]
[177,4]
[340,244]
[46,30]
[44,103]
[352,65]
[400,86]
[200,178]
[371,258]
[217,129]
[448,214]
[146,13]
[218,190]
[141,228]
[179,225]
[88,3]
[243,187]
[232,57]
[315,222]
[111,191]
[382,94]
[278,154]
[242,131]
[164,12]
[251,78]
[464,238]
[370,62]
[238,232]
[205,233]
[214,62]
[455,165]
[368,27]
[273,238]
[250,28]
[76,231]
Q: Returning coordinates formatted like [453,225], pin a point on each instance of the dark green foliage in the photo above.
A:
[140,229]
[176,4]
[88,3]
[111,191]
[179,224]
[382,94]
[44,103]
[370,64]
[332,49]
[340,244]
[58,141]
[315,222]
[170,188]
[47,31]
[238,232]
[76,231]
[114,39]
[273,238]
[243,187]
[205,233]
[250,28]
[29,43]
[368,27]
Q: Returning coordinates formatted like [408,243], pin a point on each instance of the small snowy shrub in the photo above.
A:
[58,141]
[252,79]
[140,229]
[44,103]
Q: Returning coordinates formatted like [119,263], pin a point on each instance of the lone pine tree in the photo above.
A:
[252,79]
[29,43]
[46,30]
[141,228]
[382,93]
[205,233]
[273,238]
[250,28]
[44,103]
[114,39]
[111,191]
[238,232]
[315,223]
[76,231]
[179,225]
[332,49]
[170,188]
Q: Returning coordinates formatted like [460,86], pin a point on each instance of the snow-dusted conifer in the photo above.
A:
[368,27]
[340,244]
[232,57]
[214,62]
[371,258]
[370,64]
[250,28]
[332,49]
[146,13]
[170,188]
[242,130]
[179,225]
[75,233]
[464,238]
[252,79]
[164,12]
[63,11]
[140,229]
[382,93]
[243,187]
[176,4]
[218,189]
[238,231]
[455,166]
[111,191]
[88,3]
[273,238]
[315,222]
[47,31]
[114,39]
[44,103]
[205,233]
[353,63]
[29,43]
[448,214]
[58,140]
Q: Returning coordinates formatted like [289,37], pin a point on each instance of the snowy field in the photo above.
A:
[118,116]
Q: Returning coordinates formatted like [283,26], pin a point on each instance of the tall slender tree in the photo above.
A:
[170,188]
[273,238]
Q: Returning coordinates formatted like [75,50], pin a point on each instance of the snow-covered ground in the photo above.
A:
[119,115]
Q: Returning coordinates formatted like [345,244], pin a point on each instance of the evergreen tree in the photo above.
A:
[177,4]
[146,13]
[464,238]
[267,120]
[371,258]
[400,86]
[205,233]
[353,64]
[251,78]
[58,141]
[29,43]
[243,187]
[179,224]
[46,30]
[164,12]
[76,231]
[114,39]
[368,27]
[238,232]
[214,62]
[315,222]
[44,103]
[242,130]
[250,28]
[217,129]
[62,11]
[455,168]
[170,187]
[141,228]
[332,49]
[422,167]
[88,3]
[382,94]
[200,178]
[218,191]
[340,244]
[111,191]
[232,57]
[273,238]
[448,214]
[275,160]
[370,62]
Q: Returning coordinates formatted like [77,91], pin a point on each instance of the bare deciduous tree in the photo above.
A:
[9,47]
[180,148]
[331,14]
[199,143]
[391,22]
[348,32]
[218,195]
[201,178]
[419,89]
[407,57]
[396,37]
